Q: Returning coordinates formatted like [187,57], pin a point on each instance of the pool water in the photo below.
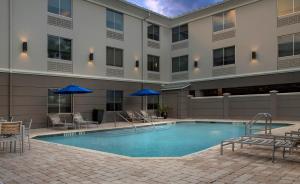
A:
[161,141]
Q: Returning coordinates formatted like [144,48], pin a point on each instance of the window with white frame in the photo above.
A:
[59,103]
[60,7]
[114,100]
[59,48]
[180,64]
[114,20]
[153,32]
[224,20]
[289,45]
[180,33]
[286,7]
[114,57]
[153,63]
[224,56]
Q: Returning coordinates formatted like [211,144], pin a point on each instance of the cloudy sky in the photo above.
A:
[173,8]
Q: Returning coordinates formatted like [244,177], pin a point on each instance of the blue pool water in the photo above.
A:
[162,141]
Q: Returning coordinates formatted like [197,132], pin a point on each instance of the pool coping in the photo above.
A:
[289,123]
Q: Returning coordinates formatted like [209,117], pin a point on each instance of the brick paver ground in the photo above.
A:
[51,163]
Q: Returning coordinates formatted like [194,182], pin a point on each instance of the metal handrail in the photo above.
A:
[260,116]
[120,115]
[145,119]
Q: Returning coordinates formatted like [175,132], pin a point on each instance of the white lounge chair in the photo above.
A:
[56,121]
[78,119]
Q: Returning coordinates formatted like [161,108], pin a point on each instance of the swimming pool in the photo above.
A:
[169,140]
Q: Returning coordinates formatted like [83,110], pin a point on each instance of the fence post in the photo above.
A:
[273,103]
[226,105]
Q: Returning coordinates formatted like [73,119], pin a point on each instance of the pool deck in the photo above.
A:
[53,163]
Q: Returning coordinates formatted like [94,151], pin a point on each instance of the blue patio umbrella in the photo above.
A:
[73,89]
[145,92]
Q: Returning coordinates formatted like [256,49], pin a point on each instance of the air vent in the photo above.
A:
[60,67]
[153,45]
[181,45]
[289,63]
[223,35]
[115,72]
[180,76]
[285,21]
[114,35]
[60,22]
[219,71]
[154,76]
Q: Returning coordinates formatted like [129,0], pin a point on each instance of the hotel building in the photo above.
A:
[240,47]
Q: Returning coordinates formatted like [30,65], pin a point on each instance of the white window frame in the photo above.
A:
[223,23]
[289,14]
[59,15]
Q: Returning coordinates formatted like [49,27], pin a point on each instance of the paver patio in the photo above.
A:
[51,163]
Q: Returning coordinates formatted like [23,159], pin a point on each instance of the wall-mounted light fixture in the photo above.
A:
[195,64]
[91,57]
[137,63]
[24,46]
[254,55]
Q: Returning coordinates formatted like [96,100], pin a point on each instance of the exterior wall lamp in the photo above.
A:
[91,57]
[137,63]
[254,55]
[24,46]
[195,64]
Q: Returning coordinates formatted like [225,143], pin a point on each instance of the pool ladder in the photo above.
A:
[266,117]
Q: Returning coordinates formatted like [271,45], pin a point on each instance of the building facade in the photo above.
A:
[115,48]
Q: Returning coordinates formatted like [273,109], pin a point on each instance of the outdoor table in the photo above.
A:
[22,131]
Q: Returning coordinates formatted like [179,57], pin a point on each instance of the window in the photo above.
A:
[180,64]
[180,33]
[224,56]
[114,57]
[114,100]
[224,20]
[59,103]
[60,7]
[114,20]
[59,48]
[289,45]
[153,32]
[152,102]
[153,63]
[286,7]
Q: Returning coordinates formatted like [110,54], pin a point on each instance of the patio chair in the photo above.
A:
[78,119]
[150,116]
[56,121]
[293,133]
[12,133]
[275,142]
[27,131]
[134,116]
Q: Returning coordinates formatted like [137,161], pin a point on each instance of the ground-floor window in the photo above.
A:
[59,103]
[114,100]
[152,102]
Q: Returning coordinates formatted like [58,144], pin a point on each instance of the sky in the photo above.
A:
[173,8]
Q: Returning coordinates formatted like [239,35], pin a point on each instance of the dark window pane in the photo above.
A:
[175,34]
[66,49]
[150,31]
[53,47]
[184,32]
[53,102]
[229,19]
[218,57]
[156,64]
[285,7]
[297,44]
[156,32]
[118,57]
[114,100]
[218,22]
[65,103]
[184,63]
[175,64]
[285,46]
[110,19]
[150,63]
[229,55]
[110,56]
[118,21]
[66,8]
[53,6]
